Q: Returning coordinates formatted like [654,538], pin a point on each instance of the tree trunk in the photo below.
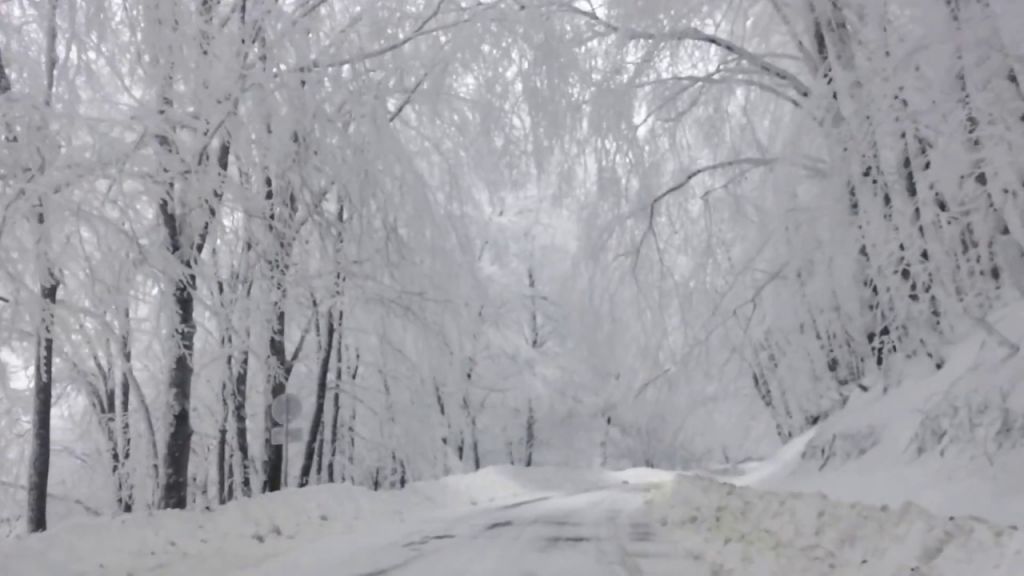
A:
[332,432]
[351,428]
[531,421]
[241,425]
[39,462]
[126,489]
[473,432]
[280,220]
[318,408]
[39,459]
[222,436]
[174,487]
[319,466]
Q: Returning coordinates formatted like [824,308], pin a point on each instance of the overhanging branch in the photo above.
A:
[690,33]
[750,162]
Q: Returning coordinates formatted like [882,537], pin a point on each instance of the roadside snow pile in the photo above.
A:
[173,542]
[742,531]
[951,441]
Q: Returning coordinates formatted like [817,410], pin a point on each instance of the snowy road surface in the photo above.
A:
[593,533]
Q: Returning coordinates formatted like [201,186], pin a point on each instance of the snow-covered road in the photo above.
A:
[596,532]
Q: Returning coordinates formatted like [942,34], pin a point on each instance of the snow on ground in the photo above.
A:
[723,529]
[950,441]
[247,533]
[509,522]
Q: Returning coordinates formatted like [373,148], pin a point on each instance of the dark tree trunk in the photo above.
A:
[535,340]
[280,220]
[186,248]
[222,465]
[39,458]
[443,410]
[241,425]
[332,432]
[39,462]
[126,489]
[174,487]
[531,422]
[319,465]
[223,457]
[323,373]
[473,432]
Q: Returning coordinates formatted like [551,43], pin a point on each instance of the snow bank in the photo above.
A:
[174,542]
[742,531]
[951,441]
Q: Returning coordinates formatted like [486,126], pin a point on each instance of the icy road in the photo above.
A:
[597,532]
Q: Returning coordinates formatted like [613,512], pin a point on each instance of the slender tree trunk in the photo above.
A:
[280,220]
[318,407]
[319,466]
[443,410]
[351,428]
[147,419]
[39,459]
[531,422]
[473,431]
[241,424]
[332,433]
[126,486]
[223,457]
[535,339]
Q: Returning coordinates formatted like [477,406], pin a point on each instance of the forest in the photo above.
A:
[255,244]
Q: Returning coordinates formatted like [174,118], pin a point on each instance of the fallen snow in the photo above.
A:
[724,529]
[250,532]
[951,441]
[504,520]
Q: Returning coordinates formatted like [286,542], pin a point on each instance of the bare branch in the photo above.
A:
[298,347]
[692,34]
[408,98]
[420,31]
[749,162]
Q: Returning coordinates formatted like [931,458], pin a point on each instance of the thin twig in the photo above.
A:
[751,162]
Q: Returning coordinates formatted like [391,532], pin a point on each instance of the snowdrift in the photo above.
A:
[742,531]
[951,441]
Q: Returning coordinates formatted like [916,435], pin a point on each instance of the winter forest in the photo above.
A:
[249,245]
